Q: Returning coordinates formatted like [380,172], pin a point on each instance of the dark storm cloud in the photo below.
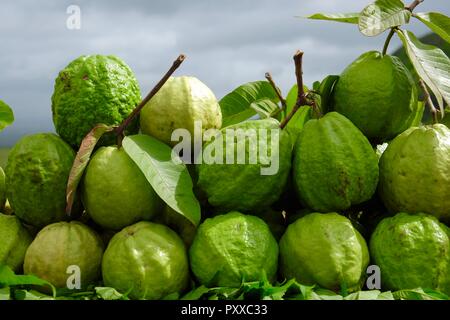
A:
[227,43]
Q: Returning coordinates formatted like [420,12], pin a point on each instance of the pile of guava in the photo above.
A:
[344,190]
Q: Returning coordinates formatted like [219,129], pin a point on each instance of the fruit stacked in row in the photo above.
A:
[331,165]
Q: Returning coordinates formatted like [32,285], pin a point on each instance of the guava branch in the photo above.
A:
[121,128]
[413,5]
[301,97]
[428,101]
[278,92]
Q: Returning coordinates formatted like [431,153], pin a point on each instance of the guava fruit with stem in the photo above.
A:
[36,178]
[14,241]
[412,251]
[378,94]
[231,248]
[2,190]
[62,245]
[243,185]
[178,105]
[415,171]
[90,90]
[334,166]
[324,249]
[146,260]
[115,192]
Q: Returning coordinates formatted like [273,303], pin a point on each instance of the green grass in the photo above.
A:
[3,156]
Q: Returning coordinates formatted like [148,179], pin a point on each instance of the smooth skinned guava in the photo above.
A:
[412,251]
[148,260]
[36,178]
[14,241]
[2,189]
[334,166]
[178,104]
[415,171]
[232,248]
[244,187]
[61,245]
[378,94]
[324,249]
[90,90]
[115,192]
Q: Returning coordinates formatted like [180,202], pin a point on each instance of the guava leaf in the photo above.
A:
[107,293]
[370,295]
[291,98]
[381,15]
[437,22]
[352,17]
[265,108]
[431,64]
[6,115]
[326,91]
[419,294]
[236,106]
[81,161]
[196,293]
[170,180]
[9,279]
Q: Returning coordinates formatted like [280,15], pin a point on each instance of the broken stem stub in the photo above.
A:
[122,127]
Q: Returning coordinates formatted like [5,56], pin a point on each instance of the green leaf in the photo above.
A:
[431,64]
[169,179]
[5,294]
[291,98]
[419,294]
[6,115]
[236,106]
[265,108]
[326,91]
[81,161]
[8,279]
[370,295]
[437,22]
[107,293]
[338,17]
[196,294]
[297,122]
[382,15]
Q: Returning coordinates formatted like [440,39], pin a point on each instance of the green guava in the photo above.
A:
[415,171]
[178,105]
[90,90]
[14,241]
[2,190]
[412,251]
[115,192]
[378,94]
[257,173]
[61,246]
[232,248]
[324,249]
[36,178]
[148,260]
[334,165]
[181,225]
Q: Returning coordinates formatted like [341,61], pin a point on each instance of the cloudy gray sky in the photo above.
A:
[227,43]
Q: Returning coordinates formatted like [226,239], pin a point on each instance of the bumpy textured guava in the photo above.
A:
[2,189]
[378,94]
[324,249]
[14,241]
[61,245]
[412,251]
[178,104]
[232,248]
[90,90]
[415,171]
[334,165]
[36,178]
[146,259]
[115,192]
[243,187]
